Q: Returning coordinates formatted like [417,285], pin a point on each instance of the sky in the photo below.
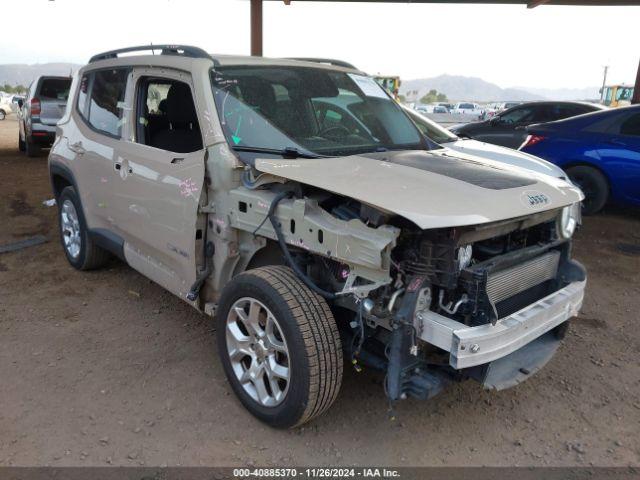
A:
[510,45]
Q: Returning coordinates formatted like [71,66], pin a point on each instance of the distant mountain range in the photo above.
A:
[459,88]
[23,74]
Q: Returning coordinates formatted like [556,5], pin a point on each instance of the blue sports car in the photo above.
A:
[600,152]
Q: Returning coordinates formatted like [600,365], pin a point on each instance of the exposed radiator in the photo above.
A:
[506,283]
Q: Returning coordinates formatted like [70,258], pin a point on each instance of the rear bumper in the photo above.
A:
[43,134]
[472,346]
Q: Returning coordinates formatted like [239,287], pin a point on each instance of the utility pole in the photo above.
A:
[604,83]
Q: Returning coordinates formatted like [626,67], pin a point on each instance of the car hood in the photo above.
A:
[506,155]
[433,189]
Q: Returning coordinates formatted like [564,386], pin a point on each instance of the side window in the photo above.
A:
[106,100]
[631,126]
[518,115]
[166,116]
[82,95]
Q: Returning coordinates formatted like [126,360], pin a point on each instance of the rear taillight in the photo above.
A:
[532,140]
[35,106]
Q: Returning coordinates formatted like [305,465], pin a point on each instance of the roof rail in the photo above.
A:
[182,50]
[328,61]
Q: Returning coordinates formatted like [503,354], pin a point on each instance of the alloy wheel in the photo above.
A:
[258,351]
[70,226]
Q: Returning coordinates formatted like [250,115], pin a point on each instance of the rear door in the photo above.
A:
[53,93]
[159,179]
[99,114]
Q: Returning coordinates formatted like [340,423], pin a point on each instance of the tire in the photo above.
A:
[31,148]
[3,115]
[80,250]
[21,145]
[293,319]
[593,184]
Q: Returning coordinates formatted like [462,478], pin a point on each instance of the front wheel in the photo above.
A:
[279,346]
[593,184]
[3,115]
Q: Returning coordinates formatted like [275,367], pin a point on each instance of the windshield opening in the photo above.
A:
[314,110]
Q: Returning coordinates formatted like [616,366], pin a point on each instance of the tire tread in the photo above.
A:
[319,333]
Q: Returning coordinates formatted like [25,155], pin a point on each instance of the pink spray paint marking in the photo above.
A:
[188,188]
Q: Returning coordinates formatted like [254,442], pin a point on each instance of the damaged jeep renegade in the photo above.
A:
[296,202]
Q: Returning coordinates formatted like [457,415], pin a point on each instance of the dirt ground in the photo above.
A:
[107,368]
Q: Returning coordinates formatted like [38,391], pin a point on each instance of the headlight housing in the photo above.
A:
[569,219]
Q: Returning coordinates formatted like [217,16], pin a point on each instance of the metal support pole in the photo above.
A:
[636,92]
[604,83]
[256,28]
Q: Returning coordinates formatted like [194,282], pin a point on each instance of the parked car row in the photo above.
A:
[598,148]
[507,128]
[481,112]
[599,151]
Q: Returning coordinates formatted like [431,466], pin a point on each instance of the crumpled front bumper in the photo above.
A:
[472,346]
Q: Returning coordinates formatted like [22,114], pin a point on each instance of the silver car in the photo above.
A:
[38,115]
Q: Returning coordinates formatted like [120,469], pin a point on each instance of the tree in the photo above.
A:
[9,89]
[433,96]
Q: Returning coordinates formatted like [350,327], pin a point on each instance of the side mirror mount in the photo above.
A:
[495,121]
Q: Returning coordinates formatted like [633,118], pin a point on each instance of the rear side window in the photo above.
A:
[55,88]
[565,111]
[82,94]
[631,126]
[101,100]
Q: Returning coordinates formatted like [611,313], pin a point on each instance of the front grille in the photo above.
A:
[511,281]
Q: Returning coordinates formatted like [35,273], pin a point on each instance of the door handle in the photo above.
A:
[117,166]
[77,148]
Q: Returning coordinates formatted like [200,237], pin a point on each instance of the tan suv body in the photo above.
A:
[400,254]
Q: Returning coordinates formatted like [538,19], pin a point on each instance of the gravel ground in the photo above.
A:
[107,368]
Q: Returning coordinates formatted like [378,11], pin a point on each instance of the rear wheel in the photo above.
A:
[593,184]
[31,148]
[279,346]
[80,250]
[3,114]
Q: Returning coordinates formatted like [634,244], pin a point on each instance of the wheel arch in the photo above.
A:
[61,177]
[583,163]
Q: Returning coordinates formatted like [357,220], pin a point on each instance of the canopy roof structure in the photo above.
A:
[256,15]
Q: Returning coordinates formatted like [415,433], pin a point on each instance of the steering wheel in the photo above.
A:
[336,129]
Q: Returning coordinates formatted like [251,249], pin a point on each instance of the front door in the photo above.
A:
[160,180]
[507,129]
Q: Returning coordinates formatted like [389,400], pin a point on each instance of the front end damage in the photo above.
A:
[488,302]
